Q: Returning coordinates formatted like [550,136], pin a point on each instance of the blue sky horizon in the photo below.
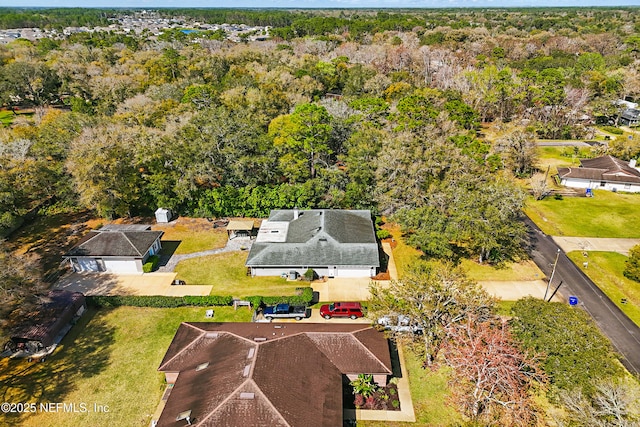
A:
[319,4]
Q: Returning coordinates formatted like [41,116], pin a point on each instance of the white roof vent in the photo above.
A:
[259,339]
[247,396]
[202,366]
[252,351]
[185,415]
[246,371]
[211,335]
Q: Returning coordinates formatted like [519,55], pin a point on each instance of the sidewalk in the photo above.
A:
[406,412]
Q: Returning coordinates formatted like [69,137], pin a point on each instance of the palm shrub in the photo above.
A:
[364,385]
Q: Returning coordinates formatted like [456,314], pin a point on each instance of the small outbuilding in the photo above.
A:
[115,248]
[630,117]
[163,215]
[236,228]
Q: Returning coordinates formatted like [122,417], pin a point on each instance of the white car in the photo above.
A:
[399,323]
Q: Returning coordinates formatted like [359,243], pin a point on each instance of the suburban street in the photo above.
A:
[621,331]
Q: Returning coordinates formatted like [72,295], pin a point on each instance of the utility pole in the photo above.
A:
[555,264]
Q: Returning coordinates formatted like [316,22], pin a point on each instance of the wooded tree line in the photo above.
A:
[387,121]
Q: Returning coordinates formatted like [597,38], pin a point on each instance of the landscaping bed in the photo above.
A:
[383,399]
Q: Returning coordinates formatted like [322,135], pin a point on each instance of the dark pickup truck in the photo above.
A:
[284,311]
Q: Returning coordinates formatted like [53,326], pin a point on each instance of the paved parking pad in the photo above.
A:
[514,290]
[569,244]
[128,284]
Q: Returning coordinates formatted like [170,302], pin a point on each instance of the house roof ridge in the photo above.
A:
[353,335]
[269,402]
[97,233]
[370,352]
[203,332]
[224,401]
[124,234]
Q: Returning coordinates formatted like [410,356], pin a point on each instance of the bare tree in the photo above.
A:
[538,184]
[492,378]
[519,150]
[615,403]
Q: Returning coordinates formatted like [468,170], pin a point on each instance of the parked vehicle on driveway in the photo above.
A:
[352,310]
[284,311]
[399,323]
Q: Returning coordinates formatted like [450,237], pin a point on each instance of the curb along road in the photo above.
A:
[613,323]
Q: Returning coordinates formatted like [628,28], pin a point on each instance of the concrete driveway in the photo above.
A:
[128,284]
[569,244]
[514,290]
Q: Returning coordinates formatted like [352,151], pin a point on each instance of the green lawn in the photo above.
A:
[181,240]
[607,214]
[109,358]
[228,275]
[7,117]
[403,254]
[561,156]
[514,271]
[605,269]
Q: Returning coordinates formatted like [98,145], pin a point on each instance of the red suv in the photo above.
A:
[352,310]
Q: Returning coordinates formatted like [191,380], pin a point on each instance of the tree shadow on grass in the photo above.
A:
[83,353]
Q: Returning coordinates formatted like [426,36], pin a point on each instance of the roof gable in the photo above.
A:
[242,410]
[348,354]
[289,371]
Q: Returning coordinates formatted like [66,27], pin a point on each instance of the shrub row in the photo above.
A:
[158,301]
[303,297]
[612,129]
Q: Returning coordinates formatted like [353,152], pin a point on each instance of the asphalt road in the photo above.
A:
[621,331]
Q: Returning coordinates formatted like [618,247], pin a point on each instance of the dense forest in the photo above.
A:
[380,110]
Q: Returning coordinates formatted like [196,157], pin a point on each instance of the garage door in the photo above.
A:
[120,266]
[87,264]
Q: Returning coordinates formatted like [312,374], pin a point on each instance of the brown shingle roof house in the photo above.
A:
[265,374]
[605,173]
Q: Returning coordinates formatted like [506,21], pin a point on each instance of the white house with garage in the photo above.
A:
[114,248]
[604,173]
[334,243]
